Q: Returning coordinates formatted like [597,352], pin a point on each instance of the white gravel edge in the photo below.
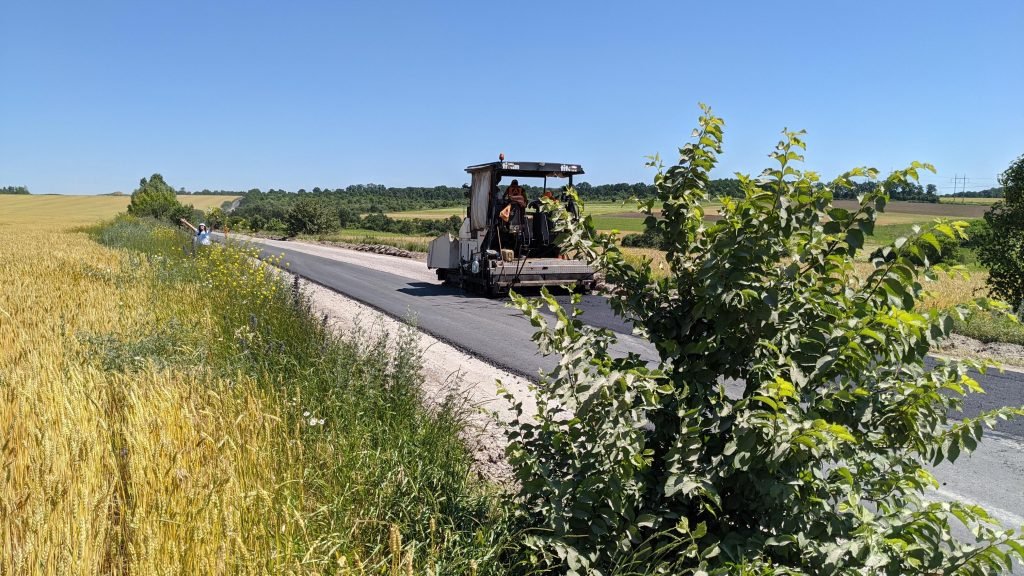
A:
[449,373]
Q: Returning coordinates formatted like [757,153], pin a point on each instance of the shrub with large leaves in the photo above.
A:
[790,421]
[1002,250]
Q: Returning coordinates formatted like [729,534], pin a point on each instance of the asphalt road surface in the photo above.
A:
[992,476]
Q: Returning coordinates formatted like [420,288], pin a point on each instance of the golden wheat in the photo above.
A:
[150,471]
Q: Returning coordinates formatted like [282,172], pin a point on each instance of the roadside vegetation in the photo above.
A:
[818,465]
[196,418]
[185,406]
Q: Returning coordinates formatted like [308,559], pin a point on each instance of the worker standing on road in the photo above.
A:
[202,234]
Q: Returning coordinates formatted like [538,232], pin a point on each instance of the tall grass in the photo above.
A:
[172,412]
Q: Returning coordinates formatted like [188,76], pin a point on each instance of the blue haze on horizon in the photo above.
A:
[235,95]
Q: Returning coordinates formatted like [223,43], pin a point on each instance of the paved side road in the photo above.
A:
[993,476]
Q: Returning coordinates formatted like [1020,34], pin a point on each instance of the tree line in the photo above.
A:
[14,190]
[996,192]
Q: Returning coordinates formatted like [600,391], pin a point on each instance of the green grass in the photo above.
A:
[621,223]
[361,236]
[383,460]
[990,327]
[430,214]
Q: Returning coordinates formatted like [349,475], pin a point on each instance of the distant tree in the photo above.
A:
[347,216]
[310,215]
[14,190]
[996,192]
[1002,250]
[215,218]
[156,199]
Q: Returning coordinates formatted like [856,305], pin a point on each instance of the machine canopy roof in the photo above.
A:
[529,169]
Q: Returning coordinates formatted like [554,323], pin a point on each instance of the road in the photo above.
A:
[992,476]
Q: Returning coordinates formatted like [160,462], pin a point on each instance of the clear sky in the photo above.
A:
[236,95]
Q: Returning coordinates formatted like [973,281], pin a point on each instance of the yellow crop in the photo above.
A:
[61,211]
[147,472]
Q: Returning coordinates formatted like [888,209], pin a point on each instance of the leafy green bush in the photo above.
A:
[977,232]
[1002,251]
[788,424]
[411,226]
[310,215]
[991,327]
[156,199]
[648,239]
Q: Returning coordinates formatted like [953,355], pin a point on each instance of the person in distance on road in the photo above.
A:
[202,234]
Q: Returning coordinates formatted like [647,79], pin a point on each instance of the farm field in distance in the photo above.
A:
[981,201]
[64,210]
[625,218]
[897,220]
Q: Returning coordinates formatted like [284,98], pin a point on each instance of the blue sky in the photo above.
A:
[235,95]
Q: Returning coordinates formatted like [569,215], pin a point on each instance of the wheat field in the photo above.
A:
[154,470]
[57,211]
[167,411]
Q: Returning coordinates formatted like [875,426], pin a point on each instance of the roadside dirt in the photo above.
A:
[1011,356]
[448,372]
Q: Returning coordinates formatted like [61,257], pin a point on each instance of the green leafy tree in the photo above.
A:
[788,425]
[156,199]
[347,216]
[1002,248]
[14,190]
[215,218]
[311,215]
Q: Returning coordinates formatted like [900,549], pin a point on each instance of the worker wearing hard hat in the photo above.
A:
[515,194]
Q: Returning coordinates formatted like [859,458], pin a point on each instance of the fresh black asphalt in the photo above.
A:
[493,331]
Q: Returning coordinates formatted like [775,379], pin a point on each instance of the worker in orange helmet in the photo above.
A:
[515,194]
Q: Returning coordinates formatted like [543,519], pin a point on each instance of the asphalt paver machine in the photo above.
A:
[503,244]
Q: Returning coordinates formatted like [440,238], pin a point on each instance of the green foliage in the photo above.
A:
[14,190]
[410,226]
[1002,250]
[977,232]
[996,192]
[650,238]
[376,456]
[156,199]
[789,422]
[991,327]
[1012,181]
[310,215]
[216,218]
[347,216]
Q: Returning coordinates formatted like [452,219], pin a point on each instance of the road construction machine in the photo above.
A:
[507,240]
